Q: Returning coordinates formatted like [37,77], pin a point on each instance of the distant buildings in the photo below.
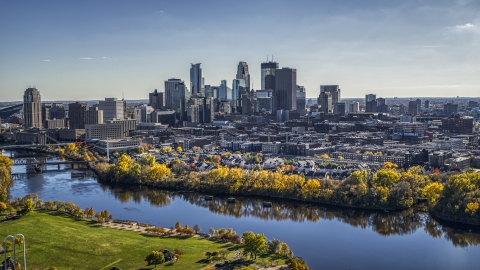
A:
[157,99]
[32,109]
[77,115]
[412,108]
[334,91]
[450,108]
[301,100]
[325,102]
[93,116]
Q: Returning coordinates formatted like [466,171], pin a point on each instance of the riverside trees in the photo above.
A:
[387,188]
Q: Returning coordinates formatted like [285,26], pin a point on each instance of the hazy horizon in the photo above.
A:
[90,50]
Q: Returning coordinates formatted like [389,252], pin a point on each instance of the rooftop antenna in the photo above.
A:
[123,96]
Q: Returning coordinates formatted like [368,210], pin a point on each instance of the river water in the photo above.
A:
[326,237]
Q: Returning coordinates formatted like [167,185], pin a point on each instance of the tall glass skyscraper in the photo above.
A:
[285,93]
[196,80]
[242,73]
[268,75]
[170,86]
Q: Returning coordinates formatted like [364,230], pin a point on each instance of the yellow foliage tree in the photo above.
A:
[389,165]
[432,192]
[311,189]
[157,172]
[324,156]
[179,149]
[472,208]
[385,177]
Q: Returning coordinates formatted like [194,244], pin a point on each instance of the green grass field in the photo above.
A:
[76,244]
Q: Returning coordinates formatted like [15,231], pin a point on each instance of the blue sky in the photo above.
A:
[81,50]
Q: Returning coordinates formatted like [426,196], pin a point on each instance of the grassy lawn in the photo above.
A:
[74,244]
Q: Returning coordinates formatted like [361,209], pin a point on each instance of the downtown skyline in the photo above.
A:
[93,50]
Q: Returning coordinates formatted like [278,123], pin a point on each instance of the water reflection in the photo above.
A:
[384,223]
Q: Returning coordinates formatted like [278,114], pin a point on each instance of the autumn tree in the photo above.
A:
[432,192]
[28,206]
[18,241]
[148,160]
[297,263]
[254,244]
[3,207]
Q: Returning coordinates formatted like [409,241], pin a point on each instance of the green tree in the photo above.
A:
[28,205]
[148,160]
[155,257]
[254,244]
[273,245]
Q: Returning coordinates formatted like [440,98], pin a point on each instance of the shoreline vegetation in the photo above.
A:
[451,196]
[129,246]
[271,253]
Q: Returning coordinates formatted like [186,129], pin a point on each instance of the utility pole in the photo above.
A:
[108,152]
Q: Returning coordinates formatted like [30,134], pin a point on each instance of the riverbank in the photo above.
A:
[68,243]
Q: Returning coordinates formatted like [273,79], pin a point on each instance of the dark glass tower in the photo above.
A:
[268,75]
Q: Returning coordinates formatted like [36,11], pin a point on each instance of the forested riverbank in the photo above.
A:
[452,196]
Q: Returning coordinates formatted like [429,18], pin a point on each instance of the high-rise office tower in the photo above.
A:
[325,101]
[157,99]
[112,109]
[181,95]
[200,110]
[285,93]
[419,105]
[450,108]
[238,89]
[242,73]
[412,108]
[46,111]
[339,108]
[32,108]
[381,105]
[427,104]
[370,97]
[334,90]
[170,86]
[371,106]
[57,111]
[301,100]
[223,91]
[370,103]
[76,115]
[211,91]
[268,75]
[354,107]
[93,116]
[196,80]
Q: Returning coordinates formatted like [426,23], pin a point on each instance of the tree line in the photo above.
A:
[386,188]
